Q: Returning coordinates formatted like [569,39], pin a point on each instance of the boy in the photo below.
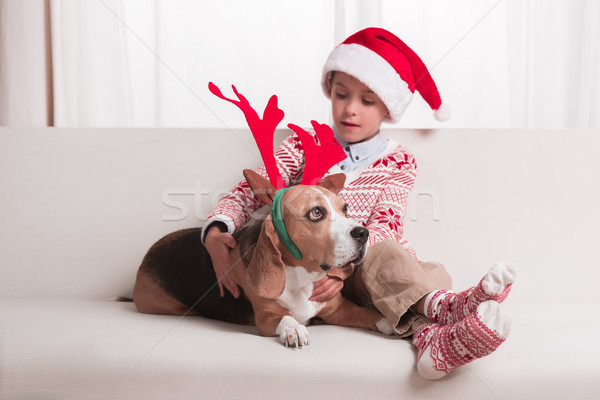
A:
[370,77]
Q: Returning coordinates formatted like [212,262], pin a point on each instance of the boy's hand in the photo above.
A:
[219,244]
[326,288]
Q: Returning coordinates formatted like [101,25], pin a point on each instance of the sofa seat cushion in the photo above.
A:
[52,349]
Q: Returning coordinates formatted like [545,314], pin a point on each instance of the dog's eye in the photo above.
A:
[345,209]
[316,214]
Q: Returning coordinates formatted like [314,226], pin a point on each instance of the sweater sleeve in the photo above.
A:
[235,208]
[386,221]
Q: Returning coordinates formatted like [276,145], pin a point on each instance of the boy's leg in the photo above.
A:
[392,281]
[447,307]
[443,348]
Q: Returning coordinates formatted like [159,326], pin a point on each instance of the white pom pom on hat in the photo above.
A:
[384,63]
[443,113]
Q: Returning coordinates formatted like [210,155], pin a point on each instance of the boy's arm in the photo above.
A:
[387,217]
[236,207]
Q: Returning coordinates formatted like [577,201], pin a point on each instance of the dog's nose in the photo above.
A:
[360,233]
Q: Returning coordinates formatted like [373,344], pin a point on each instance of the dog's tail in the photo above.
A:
[121,299]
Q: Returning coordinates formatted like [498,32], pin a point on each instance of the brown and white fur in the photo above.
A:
[277,285]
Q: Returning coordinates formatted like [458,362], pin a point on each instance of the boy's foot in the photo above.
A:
[442,348]
[447,307]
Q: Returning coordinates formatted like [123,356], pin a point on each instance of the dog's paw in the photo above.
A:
[291,333]
[384,327]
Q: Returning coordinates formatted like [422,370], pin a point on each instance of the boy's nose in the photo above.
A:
[351,108]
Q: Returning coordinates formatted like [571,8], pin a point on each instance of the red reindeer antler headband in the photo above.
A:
[319,155]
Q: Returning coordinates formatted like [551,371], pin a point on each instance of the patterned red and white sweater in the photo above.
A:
[376,194]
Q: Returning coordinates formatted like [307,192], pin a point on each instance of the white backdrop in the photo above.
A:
[498,63]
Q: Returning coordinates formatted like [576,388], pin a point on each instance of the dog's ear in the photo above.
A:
[333,183]
[342,273]
[266,271]
[261,187]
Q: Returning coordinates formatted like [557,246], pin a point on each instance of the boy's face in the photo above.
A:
[357,111]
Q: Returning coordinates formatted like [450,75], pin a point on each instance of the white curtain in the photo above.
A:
[554,63]
[25,63]
[90,64]
[498,63]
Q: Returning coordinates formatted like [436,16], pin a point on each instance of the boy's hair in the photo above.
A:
[330,87]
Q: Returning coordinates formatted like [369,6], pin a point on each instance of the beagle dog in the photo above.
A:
[276,273]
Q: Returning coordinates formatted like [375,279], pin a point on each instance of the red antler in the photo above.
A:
[320,154]
[263,129]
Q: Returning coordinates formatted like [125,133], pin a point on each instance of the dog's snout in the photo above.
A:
[360,233]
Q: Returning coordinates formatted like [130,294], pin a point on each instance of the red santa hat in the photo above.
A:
[384,63]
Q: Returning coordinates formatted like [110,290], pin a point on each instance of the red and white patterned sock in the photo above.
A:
[447,307]
[443,348]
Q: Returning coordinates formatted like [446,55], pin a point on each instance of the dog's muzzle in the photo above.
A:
[360,237]
[361,234]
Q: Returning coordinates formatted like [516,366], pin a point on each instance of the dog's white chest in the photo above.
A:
[298,289]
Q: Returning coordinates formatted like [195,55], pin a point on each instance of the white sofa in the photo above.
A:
[81,206]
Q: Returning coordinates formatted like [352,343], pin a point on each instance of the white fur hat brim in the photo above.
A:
[372,70]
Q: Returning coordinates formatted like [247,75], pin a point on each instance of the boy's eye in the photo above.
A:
[316,214]
[340,95]
[368,102]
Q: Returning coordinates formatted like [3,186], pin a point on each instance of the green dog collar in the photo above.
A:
[280,226]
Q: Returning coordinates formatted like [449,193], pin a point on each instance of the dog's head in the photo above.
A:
[315,220]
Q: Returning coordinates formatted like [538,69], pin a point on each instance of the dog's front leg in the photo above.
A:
[341,311]
[290,332]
